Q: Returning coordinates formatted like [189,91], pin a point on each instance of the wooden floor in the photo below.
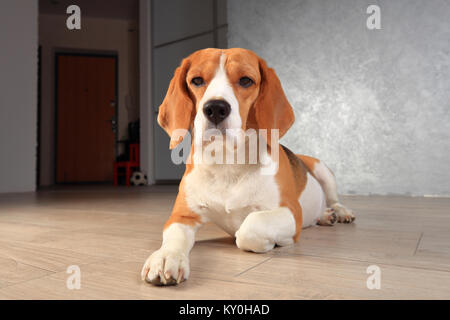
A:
[109,232]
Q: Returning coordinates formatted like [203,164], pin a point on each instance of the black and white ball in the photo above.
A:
[138,179]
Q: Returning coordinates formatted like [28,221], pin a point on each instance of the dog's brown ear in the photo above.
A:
[272,109]
[177,109]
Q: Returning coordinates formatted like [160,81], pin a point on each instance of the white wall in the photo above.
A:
[374,104]
[96,35]
[18,94]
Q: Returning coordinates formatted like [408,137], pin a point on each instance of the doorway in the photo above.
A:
[86,117]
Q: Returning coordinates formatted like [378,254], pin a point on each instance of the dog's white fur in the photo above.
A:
[312,201]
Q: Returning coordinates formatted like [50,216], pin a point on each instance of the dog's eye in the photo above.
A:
[245,82]
[197,81]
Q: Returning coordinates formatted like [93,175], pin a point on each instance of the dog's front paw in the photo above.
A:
[344,215]
[249,237]
[165,267]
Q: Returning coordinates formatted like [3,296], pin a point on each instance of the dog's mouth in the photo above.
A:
[221,137]
[221,128]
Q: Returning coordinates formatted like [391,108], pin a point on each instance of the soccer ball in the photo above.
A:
[138,179]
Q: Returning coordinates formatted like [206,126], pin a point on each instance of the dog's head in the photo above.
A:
[224,89]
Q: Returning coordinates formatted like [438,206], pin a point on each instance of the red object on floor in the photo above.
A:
[128,165]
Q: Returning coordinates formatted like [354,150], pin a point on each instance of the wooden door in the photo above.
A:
[86,94]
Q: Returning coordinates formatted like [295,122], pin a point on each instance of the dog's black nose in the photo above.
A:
[216,110]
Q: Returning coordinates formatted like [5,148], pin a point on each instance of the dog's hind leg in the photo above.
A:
[328,183]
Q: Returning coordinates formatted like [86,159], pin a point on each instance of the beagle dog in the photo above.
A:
[233,89]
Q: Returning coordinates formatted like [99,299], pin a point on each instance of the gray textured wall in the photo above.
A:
[374,104]
[18,94]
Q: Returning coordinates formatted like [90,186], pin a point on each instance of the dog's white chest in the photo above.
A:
[226,195]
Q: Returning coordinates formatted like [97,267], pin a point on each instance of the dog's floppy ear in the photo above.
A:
[272,109]
[177,109]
